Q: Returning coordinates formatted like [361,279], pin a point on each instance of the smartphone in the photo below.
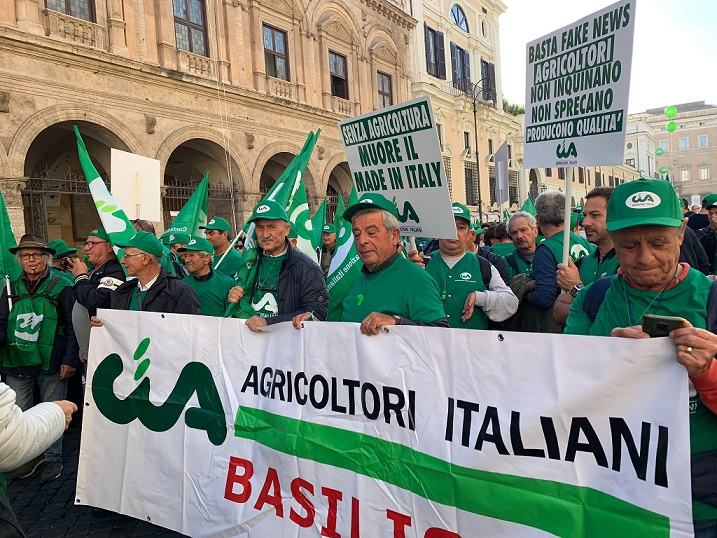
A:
[66,263]
[660,325]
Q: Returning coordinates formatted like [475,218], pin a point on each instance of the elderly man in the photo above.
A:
[152,289]
[38,340]
[549,209]
[328,238]
[390,290]
[601,263]
[523,230]
[646,226]
[212,287]
[217,232]
[460,278]
[286,283]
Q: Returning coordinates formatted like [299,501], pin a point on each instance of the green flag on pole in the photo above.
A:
[194,213]
[528,206]
[284,191]
[339,217]
[114,220]
[300,217]
[317,224]
[8,266]
[345,266]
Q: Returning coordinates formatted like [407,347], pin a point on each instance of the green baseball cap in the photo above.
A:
[269,209]
[459,210]
[328,229]
[293,234]
[573,220]
[197,244]
[146,242]
[172,238]
[217,223]
[61,249]
[643,202]
[99,233]
[369,200]
[710,201]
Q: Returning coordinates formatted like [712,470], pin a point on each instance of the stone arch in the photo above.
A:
[337,11]
[238,172]
[124,138]
[345,183]
[276,149]
[379,38]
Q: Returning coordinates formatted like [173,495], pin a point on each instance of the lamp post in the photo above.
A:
[474,95]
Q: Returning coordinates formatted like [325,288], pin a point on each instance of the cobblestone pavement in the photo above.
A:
[49,511]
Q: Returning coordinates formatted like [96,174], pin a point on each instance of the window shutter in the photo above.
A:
[440,56]
[467,69]
[427,42]
[454,64]
[491,74]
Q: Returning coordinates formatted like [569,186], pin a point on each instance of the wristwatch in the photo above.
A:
[398,319]
[576,289]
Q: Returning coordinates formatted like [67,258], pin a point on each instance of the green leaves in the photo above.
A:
[138,354]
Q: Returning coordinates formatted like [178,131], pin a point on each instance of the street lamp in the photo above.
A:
[474,95]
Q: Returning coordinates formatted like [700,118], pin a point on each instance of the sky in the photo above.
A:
[674,53]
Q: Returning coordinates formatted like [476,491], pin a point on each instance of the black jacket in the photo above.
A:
[98,285]
[693,252]
[167,294]
[301,287]
[65,349]
[708,240]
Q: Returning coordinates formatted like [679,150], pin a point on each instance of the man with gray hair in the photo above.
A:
[549,209]
[390,290]
[212,287]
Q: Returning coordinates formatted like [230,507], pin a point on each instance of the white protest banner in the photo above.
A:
[199,425]
[136,184]
[395,152]
[577,86]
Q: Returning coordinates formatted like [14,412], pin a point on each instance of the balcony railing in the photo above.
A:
[465,88]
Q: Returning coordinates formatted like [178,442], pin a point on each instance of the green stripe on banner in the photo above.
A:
[554,507]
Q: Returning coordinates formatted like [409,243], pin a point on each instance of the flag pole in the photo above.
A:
[566,216]
[9,299]
[231,246]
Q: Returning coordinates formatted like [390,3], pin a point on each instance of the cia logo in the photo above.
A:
[171,238]
[367,201]
[192,242]
[643,200]
[211,221]
[457,210]
[465,276]
[262,209]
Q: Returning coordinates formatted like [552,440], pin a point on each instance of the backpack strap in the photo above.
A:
[595,295]
[510,259]
[712,308]
[485,271]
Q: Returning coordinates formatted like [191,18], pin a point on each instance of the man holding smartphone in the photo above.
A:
[646,226]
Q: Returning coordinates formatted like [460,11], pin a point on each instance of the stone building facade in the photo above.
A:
[228,86]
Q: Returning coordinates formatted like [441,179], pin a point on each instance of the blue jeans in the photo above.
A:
[706,529]
[52,388]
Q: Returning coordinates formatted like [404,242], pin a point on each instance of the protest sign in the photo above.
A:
[395,152]
[577,85]
[136,184]
[202,426]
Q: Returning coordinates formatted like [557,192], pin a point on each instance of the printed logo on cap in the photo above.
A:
[367,201]
[262,209]
[457,210]
[465,276]
[171,238]
[643,200]
[211,221]
[192,242]
[327,227]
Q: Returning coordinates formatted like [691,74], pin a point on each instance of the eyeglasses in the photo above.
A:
[33,255]
[91,244]
[130,255]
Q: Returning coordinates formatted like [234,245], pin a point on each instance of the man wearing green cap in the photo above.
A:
[286,283]
[212,287]
[174,241]
[92,287]
[458,276]
[390,290]
[328,238]
[60,261]
[697,221]
[226,260]
[645,223]
[152,289]
[708,235]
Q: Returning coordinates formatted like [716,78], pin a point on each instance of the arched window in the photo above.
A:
[459,18]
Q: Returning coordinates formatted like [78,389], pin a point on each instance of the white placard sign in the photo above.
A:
[577,86]
[136,185]
[395,151]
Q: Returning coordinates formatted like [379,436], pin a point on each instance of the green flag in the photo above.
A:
[339,217]
[528,206]
[194,213]
[345,266]
[8,266]
[317,224]
[287,191]
[114,220]
[506,215]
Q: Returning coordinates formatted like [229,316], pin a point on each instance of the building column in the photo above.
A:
[166,38]
[12,193]
[28,16]
[116,29]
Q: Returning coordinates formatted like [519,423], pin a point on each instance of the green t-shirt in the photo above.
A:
[688,299]
[137,299]
[503,249]
[401,289]
[264,301]
[454,285]
[212,292]
[591,268]
[231,263]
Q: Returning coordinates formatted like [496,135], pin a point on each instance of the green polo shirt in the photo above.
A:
[264,299]
[624,306]
[454,285]
[591,268]
[212,291]
[398,288]
[231,263]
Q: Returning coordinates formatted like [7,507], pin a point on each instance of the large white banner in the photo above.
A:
[395,151]
[577,86]
[201,426]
